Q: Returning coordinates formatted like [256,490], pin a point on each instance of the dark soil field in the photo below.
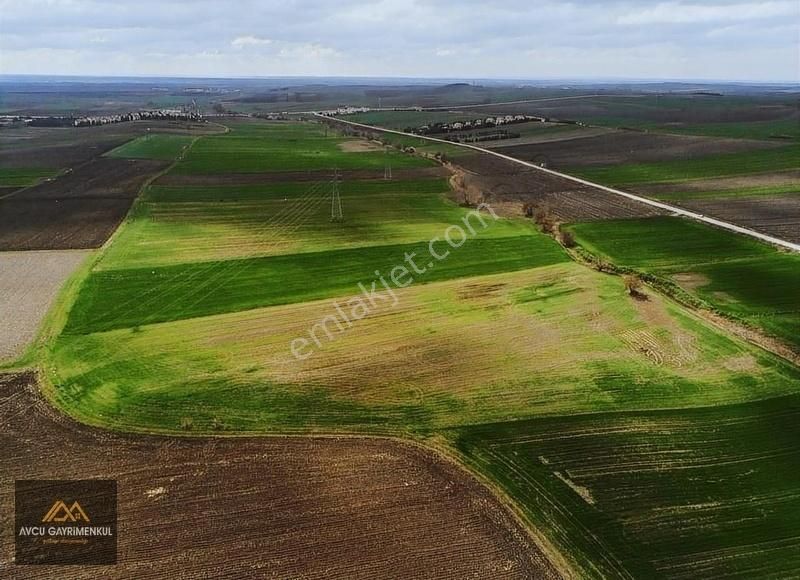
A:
[510,185]
[79,209]
[277,507]
[67,147]
[104,178]
[774,215]
[627,147]
[33,224]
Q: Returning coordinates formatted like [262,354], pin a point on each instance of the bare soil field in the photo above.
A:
[79,209]
[67,146]
[577,133]
[777,216]
[278,507]
[29,281]
[508,185]
[620,147]
[286,176]
[104,177]
[34,224]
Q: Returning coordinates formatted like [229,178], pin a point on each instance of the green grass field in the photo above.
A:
[705,493]
[152,147]
[280,146]
[22,176]
[744,163]
[630,433]
[766,191]
[737,275]
[279,219]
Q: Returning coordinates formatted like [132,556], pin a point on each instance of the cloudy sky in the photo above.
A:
[526,39]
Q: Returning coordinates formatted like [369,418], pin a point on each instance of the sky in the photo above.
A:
[745,40]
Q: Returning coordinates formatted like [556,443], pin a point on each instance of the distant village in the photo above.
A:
[94,120]
[152,115]
[482,123]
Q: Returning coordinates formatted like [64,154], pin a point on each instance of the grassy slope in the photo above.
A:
[152,147]
[738,275]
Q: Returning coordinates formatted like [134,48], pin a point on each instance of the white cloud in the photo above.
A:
[243,41]
[307,51]
[680,13]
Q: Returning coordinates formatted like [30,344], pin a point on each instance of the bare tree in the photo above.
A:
[567,238]
[633,284]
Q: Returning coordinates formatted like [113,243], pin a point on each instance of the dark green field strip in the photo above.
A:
[763,291]
[291,189]
[737,275]
[767,191]
[152,147]
[129,298]
[702,493]
[743,163]
[665,243]
[23,176]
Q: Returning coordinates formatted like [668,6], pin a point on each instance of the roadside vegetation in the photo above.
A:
[738,276]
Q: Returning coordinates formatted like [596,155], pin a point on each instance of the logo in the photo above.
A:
[65,522]
[60,513]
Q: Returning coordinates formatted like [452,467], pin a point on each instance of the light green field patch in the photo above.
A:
[289,219]
[152,147]
[553,340]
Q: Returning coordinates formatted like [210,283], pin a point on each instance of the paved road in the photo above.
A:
[671,208]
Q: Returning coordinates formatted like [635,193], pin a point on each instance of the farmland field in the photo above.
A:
[288,502]
[541,374]
[155,146]
[738,276]
[711,166]
[705,493]
[260,147]
[29,282]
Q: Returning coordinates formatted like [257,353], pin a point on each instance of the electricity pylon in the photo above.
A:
[336,200]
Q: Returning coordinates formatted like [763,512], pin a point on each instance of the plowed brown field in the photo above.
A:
[282,507]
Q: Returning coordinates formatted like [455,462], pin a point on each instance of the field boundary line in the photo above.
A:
[653,203]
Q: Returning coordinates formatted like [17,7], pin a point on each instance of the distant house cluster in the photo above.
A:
[488,122]
[345,111]
[153,115]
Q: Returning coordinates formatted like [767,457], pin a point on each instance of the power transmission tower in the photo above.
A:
[387,166]
[336,200]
